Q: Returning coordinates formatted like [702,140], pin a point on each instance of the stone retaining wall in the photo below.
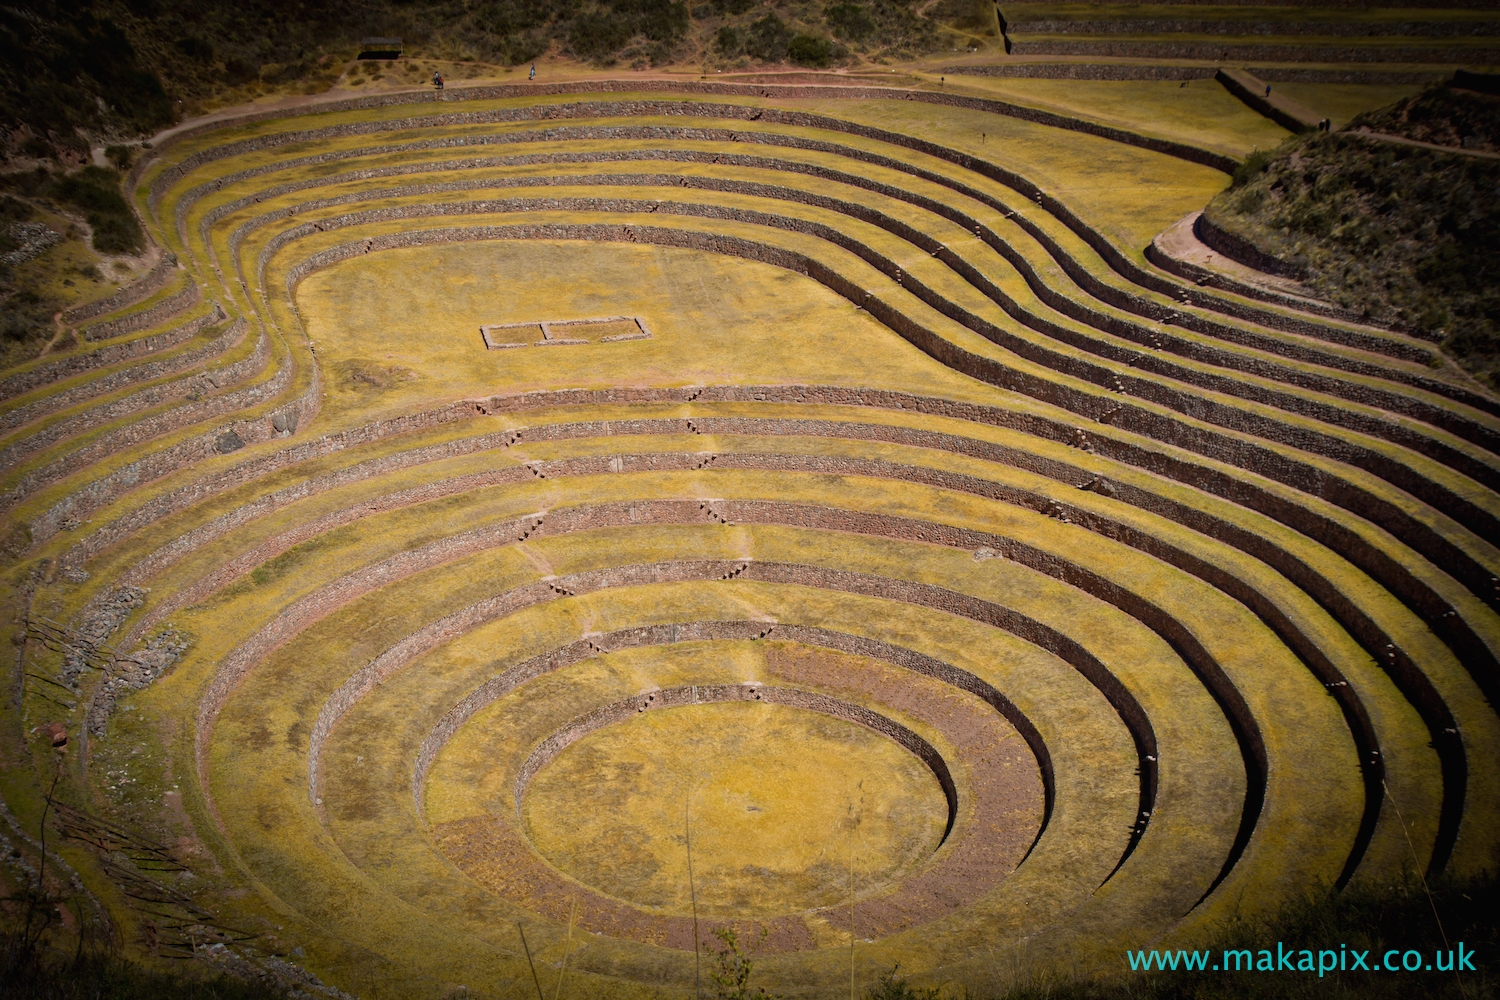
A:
[1206,440]
[75,364]
[1163,257]
[1154,337]
[1258,96]
[1243,251]
[1034,115]
[984,855]
[127,435]
[1408,677]
[1240,52]
[185,544]
[1036,353]
[1138,71]
[281,422]
[1083,71]
[660,635]
[53,402]
[1120,263]
[201,384]
[657,512]
[319,604]
[1363,74]
[167,178]
[1245,29]
[146,318]
[137,290]
[1432,606]
[1064,303]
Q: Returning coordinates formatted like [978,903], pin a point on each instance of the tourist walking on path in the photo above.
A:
[533,71]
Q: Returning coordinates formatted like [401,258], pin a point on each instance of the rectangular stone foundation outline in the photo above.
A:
[492,333]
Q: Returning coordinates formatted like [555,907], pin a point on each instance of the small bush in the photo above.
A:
[806,50]
[892,986]
[13,209]
[597,36]
[732,978]
[37,148]
[238,72]
[850,21]
[1254,165]
[25,316]
[96,192]
[729,42]
[27,183]
[121,157]
[658,20]
[1400,235]
[768,39]
[195,48]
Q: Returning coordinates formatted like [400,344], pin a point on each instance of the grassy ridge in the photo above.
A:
[1402,233]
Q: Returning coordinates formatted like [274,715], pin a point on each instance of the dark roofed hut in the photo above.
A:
[380,48]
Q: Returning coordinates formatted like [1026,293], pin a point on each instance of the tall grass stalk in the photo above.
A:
[567,947]
[530,963]
[687,830]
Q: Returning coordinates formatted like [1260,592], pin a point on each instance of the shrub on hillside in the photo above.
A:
[13,210]
[729,42]
[599,34]
[893,26]
[120,157]
[96,192]
[1441,115]
[25,316]
[768,39]
[806,50]
[850,21]
[719,8]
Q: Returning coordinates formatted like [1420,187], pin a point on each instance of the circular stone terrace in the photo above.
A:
[613,516]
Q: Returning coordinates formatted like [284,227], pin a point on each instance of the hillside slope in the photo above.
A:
[1404,234]
[72,73]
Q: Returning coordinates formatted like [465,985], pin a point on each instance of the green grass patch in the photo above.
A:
[274,569]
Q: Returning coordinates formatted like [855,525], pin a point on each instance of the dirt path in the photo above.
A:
[62,331]
[1401,140]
